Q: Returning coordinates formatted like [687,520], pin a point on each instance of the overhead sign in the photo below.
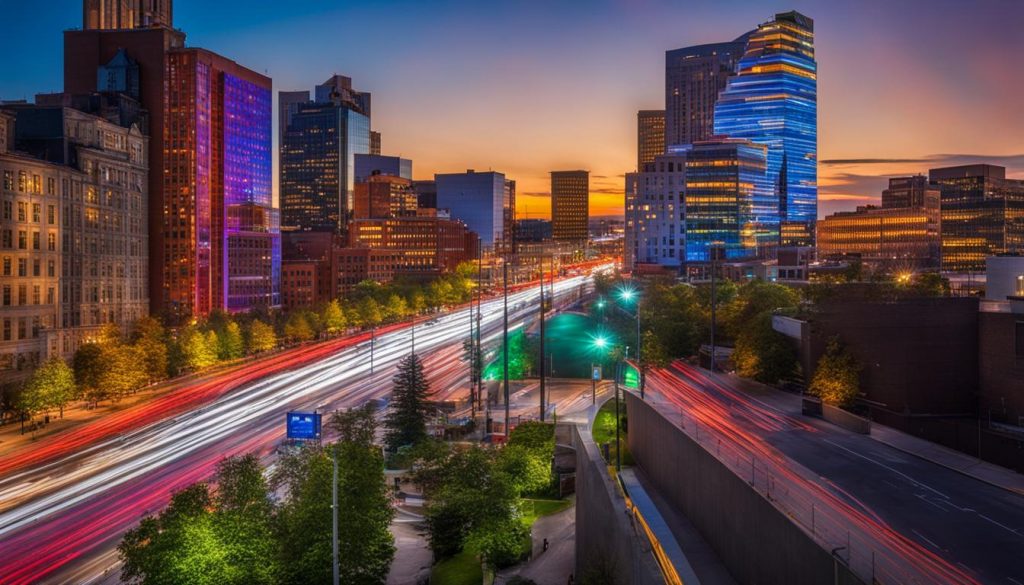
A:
[630,377]
[303,425]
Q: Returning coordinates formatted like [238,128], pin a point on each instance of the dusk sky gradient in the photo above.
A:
[530,87]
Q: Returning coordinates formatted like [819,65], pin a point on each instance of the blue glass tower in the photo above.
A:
[772,100]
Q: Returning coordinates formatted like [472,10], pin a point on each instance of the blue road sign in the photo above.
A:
[303,425]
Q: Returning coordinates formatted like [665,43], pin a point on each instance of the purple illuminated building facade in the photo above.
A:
[222,246]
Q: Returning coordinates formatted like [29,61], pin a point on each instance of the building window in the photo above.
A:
[36,212]
[9,180]
[22,210]
[51,215]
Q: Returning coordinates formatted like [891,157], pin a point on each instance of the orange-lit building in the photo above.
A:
[428,245]
[350,266]
[306,270]
[906,237]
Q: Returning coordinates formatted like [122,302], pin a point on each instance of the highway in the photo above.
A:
[60,520]
[891,516]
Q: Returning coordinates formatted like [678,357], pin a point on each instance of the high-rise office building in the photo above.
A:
[374,142]
[913,191]
[650,136]
[426,193]
[655,215]
[376,164]
[721,184]
[982,215]
[125,14]
[222,243]
[287,104]
[570,206]
[317,157]
[694,76]
[484,201]
[214,239]
[73,237]
[772,100]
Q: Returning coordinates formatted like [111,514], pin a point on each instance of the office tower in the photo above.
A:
[73,238]
[209,165]
[484,201]
[982,215]
[772,100]
[887,238]
[722,182]
[570,206]
[655,218]
[222,245]
[508,216]
[914,191]
[650,136]
[125,14]
[287,104]
[374,142]
[384,196]
[426,193]
[371,164]
[533,230]
[694,76]
[317,157]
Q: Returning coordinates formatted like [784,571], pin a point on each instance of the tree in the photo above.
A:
[529,469]
[224,537]
[149,336]
[200,350]
[304,521]
[762,353]
[357,425]
[297,328]
[124,370]
[333,317]
[837,377]
[109,334]
[52,385]
[396,308]
[89,366]
[229,342]
[261,337]
[406,421]
[370,313]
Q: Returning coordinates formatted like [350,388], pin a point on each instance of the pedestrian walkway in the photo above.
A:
[554,565]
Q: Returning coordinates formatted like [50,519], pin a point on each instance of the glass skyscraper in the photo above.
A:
[772,100]
[318,153]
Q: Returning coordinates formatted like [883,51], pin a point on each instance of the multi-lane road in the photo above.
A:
[61,520]
[895,517]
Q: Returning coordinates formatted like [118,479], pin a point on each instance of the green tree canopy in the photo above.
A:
[297,327]
[261,337]
[333,317]
[837,376]
[229,342]
[406,421]
[762,353]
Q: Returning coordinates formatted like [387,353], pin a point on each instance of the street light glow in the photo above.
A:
[600,342]
[627,294]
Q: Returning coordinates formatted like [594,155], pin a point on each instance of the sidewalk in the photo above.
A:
[551,567]
[960,462]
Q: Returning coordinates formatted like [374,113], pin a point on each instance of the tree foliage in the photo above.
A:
[837,376]
[261,337]
[406,421]
[762,353]
[51,386]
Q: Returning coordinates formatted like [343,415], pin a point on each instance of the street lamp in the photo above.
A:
[600,343]
[627,294]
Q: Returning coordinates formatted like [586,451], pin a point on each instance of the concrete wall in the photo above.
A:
[605,540]
[757,543]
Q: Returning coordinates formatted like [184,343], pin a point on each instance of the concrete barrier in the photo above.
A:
[607,546]
[847,420]
[756,542]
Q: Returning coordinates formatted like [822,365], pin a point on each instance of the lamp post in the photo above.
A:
[543,309]
[618,445]
[505,347]
[627,295]
[600,342]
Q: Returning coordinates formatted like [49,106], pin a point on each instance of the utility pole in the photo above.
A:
[472,365]
[618,445]
[542,311]
[479,335]
[714,258]
[373,336]
[505,347]
[334,515]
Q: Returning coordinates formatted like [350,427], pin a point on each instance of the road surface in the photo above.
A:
[60,521]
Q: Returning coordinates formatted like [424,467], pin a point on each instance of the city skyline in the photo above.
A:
[865,52]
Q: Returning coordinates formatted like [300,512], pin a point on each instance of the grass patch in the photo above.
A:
[462,569]
[604,431]
[533,509]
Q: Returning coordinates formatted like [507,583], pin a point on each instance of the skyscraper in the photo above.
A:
[721,183]
[213,233]
[693,78]
[913,191]
[369,164]
[650,136]
[222,243]
[317,157]
[772,100]
[125,14]
[570,206]
[484,201]
[982,215]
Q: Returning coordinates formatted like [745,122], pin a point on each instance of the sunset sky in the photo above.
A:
[530,87]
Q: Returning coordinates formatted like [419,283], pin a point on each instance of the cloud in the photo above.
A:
[944,159]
